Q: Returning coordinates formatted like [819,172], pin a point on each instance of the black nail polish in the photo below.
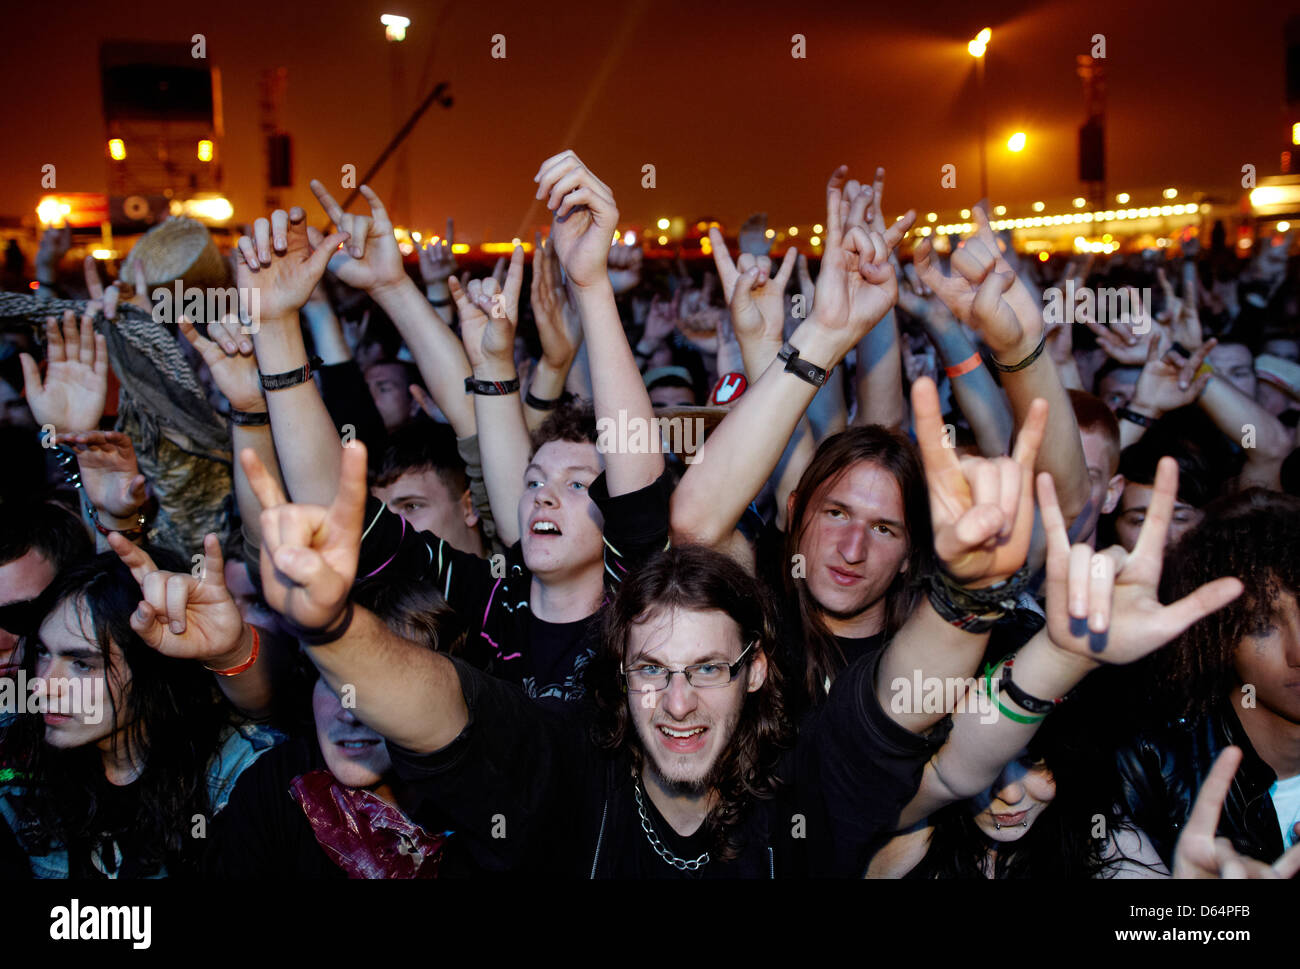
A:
[1078,626]
[1097,641]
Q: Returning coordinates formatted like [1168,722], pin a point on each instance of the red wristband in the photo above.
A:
[966,366]
[252,658]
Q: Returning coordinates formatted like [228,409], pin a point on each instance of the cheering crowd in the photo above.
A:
[858,567]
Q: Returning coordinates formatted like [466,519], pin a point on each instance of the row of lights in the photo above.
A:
[1115,215]
[117,150]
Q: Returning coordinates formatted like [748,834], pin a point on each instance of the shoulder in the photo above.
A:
[241,746]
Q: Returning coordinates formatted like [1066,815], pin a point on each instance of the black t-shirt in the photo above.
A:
[528,789]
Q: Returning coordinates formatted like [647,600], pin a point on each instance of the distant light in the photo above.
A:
[1016,142]
[52,211]
[663,224]
[211,209]
[1042,257]
[1284,227]
[515,242]
[102,253]
[817,228]
[965,213]
[406,248]
[629,238]
[1000,210]
[1107,237]
[1295,133]
[395,26]
[931,217]
[976,48]
[984,36]
[205,150]
[793,230]
[1122,198]
[116,149]
[663,240]
[1170,193]
[1080,202]
[415,236]
[817,240]
[770,233]
[1039,206]
[1165,210]
[460,248]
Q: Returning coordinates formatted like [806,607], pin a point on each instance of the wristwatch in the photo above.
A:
[802,369]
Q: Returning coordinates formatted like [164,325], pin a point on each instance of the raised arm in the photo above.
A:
[986,293]
[1102,607]
[560,333]
[407,693]
[856,287]
[982,513]
[278,269]
[195,618]
[585,217]
[375,265]
[488,314]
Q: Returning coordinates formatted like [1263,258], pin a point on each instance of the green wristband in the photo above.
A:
[1009,714]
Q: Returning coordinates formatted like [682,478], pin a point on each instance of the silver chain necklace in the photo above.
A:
[681,864]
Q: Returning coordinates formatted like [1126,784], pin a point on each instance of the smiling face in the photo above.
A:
[683,730]
[1016,800]
[354,754]
[854,543]
[85,699]
[1268,658]
[559,525]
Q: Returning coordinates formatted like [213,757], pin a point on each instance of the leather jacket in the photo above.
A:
[1161,772]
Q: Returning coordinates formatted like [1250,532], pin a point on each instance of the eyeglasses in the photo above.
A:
[652,678]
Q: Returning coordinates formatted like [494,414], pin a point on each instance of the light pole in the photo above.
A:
[395,31]
[977,47]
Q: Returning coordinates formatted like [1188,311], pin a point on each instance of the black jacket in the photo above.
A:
[1161,773]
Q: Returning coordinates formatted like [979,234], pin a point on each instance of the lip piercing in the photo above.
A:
[1023,824]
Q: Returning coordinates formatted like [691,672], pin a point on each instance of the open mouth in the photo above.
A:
[354,748]
[1010,820]
[543,527]
[682,740]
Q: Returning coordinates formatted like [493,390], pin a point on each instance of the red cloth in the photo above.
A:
[362,833]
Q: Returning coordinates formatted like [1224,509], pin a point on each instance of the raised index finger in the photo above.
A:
[269,494]
[1204,819]
[929,428]
[1030,438]
[348,510]
[327,202]
[1150,545]
[133,557]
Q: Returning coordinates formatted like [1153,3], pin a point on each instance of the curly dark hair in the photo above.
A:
[1255,536]
[695,578]
[175,718]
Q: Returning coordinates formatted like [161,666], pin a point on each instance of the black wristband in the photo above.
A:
[290,378]
[321,637]
[1037,352]
[538,403]
[491,388]
[1022,699]
[809,372]
[441,302]
[975,610]
[1124,414]
[245,418]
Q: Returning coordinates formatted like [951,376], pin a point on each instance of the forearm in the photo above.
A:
[260,441]
[798,453]
[1263,438]
[617,389]
[983,738]
[730,357]
[976,393]
[756,354]
[1062,452]
[880,377]
[306,440]
[504,447]
[249,692]
[742,452]
[578,381]
[408,694]
[437,351]
[326,333]
[548,384]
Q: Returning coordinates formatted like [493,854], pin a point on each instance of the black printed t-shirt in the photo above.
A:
[495,607]
[569,807]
